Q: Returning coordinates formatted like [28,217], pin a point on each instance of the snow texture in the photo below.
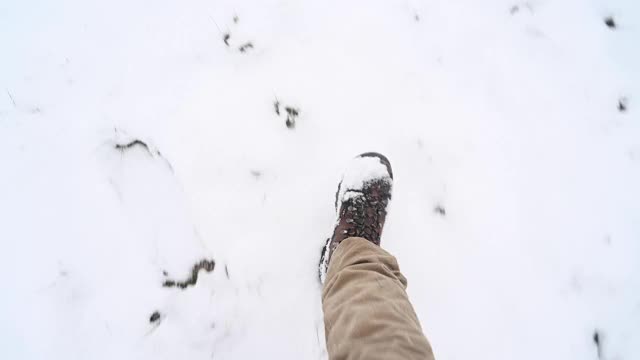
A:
[139,139]
[358,172]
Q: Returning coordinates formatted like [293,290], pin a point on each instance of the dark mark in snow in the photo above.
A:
[206,265]
[416,17]
[142,144]
[323,250]
[132,144]
[236,19]
[440,210]
[290,124]
[292,114]
[154,317]
[122,147]
[276,107]
[12,100]
[291,111]
[335,204]
[622,105]
[516,8]
[610,22]
[597,339]
[246,47]
[226,271]
[165,273]
[256,174]
[226,38]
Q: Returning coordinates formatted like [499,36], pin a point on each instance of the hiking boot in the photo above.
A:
[361,203]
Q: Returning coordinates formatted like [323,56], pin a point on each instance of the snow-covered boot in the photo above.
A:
[361,203]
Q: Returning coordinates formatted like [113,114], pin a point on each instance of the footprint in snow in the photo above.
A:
[610,22]
[623,104]
[290,112]
[230,40]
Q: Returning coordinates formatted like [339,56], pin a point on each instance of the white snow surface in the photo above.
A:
[358,172]
[501,115]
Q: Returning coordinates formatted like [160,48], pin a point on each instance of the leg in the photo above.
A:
[367,312]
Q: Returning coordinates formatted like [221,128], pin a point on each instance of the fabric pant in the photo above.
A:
[367,313]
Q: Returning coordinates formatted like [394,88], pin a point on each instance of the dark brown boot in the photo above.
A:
[361,203]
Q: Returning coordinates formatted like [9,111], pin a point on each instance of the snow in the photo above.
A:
[361,170]
[358,172]
[506,120]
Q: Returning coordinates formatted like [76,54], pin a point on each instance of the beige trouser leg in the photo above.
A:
[367,314]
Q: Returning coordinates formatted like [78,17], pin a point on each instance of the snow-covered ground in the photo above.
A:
[513,128]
